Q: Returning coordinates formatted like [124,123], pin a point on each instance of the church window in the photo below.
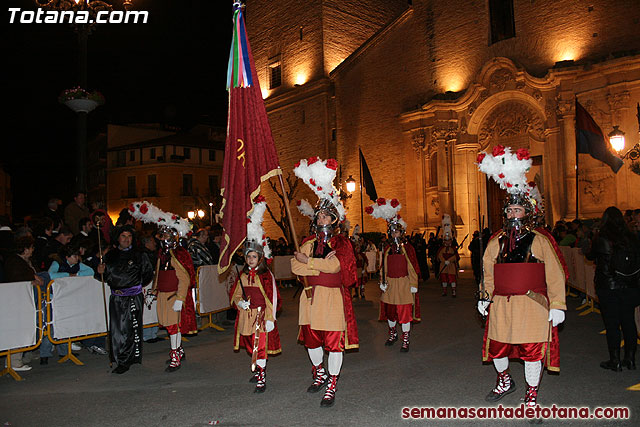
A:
[502,20]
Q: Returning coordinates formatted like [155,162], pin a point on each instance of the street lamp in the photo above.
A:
[616,139]
[92,8]
[211,214]
[191,215]
[351,184]
[200,213]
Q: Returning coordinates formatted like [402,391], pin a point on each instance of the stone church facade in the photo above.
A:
[422,86]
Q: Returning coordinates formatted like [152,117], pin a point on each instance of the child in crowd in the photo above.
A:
[68,264]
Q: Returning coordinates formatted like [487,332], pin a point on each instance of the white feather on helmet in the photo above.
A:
[147,212]
[305,208]
[255,231]
[387,210]
[509,170]
[319,176]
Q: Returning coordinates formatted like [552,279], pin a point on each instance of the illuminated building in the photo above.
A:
[176,171]
[423,86]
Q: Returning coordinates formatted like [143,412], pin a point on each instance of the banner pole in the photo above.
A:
[361,204]
[294,236]
[575,126]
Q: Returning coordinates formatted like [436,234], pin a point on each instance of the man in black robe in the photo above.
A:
[126,270]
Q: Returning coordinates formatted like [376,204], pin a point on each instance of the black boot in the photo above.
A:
[629,360]
[393,336]
[614,361]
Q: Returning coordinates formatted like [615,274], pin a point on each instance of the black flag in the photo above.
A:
[367,180]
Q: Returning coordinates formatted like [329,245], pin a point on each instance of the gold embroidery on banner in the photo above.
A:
[241,152]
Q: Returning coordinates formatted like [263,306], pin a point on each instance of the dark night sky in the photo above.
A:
[170,70]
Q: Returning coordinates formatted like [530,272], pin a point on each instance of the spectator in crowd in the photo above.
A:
[199,253]
[18,268]
[52,212]
[433,246]
[75,211]
[564,237]
[43,233]
[68,264]
[616,251]
[636,222]
[88,252]
[55,246]
[85,225]
[102,224]
[420,245]
[125,218]
[476,256]
[215,241]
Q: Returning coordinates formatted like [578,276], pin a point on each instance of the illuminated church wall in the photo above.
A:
[388,97]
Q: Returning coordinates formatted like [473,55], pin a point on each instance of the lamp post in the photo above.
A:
[351,184]
[83,31]
[191,215]
[211,214]
[616,139]
[200,213]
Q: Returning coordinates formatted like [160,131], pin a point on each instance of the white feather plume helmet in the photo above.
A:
[255,231]
[319,175]
[506,168]
[387,209]
[509,169]
[147,212]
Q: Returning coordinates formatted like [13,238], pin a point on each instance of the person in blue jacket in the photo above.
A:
[69,265]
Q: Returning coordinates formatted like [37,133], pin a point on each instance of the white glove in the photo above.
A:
[482,307]
[177,306]
[244,305]
[446,263]
[414,290]
[269,325]
[383,287]
[556,317]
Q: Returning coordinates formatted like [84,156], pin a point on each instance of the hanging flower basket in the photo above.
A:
[80,100]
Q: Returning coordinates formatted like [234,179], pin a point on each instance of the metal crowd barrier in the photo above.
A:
[39,330]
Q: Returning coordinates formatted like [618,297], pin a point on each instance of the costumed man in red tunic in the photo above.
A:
[175,278]
[399,276]
[449,260]
[326,260]
[524,281]
[257,299]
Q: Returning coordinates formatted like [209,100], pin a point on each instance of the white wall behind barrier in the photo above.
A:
[213,290]
[17,315]
[78,308]
[281,267]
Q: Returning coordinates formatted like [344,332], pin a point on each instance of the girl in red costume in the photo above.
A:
[257,300]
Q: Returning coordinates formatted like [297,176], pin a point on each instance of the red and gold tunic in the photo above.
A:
[262,291]
[330,308]
[515,318]
[175,285]
[401,273]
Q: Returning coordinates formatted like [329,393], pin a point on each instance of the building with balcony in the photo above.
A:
[178,171]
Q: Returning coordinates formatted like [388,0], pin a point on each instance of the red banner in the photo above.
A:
[250,153]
